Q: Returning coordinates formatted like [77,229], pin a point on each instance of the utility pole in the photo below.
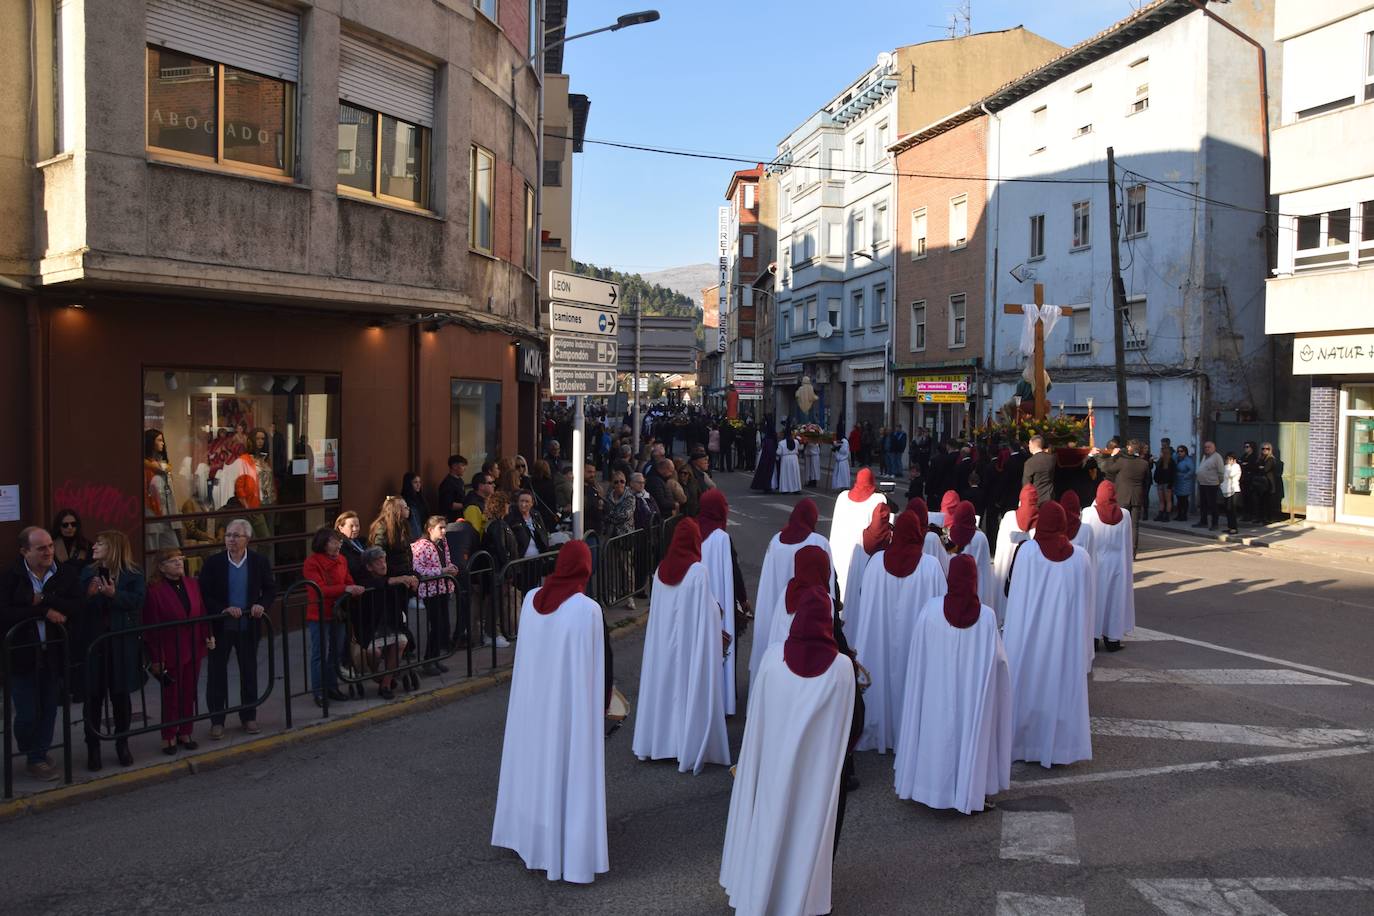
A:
[1123,410]
[639,320]
[579,459]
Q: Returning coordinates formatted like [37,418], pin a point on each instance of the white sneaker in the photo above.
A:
[502,642]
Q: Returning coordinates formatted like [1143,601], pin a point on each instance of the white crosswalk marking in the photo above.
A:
[1268,659]
[1234,896]
[785,507]
[1009,904]
[1227,733]
[1238,762]
[1144,634]
[1039,836]
[1211,676]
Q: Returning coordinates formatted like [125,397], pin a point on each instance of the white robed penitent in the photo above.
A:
[978,549]
[720,578]
[839,476]
[847,524]
[812,453]
[1114,566]
[881,626]
[788,470]
[551,798]
[1050,653]
[954,748]
[680,711]
[1009,534]
[781,829]
[779,563]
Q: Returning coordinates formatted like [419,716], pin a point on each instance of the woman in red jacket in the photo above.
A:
[175,652]
[328,569]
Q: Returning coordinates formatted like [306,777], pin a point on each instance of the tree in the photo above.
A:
[655,299]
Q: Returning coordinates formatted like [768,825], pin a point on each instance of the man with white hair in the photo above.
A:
[1210,470]
[236,583]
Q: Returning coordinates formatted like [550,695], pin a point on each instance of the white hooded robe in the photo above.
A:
[1009,534]
[681,709]
[847,524]
[779,562]
[551,798]
[720,578]
[839,477]
[788,471]
[1113,556]
[955,744]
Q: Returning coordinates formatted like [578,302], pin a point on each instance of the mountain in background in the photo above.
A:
[689,279]
[656,298]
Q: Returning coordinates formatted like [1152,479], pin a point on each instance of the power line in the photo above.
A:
[1168,187]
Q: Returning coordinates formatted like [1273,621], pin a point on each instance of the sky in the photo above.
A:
[734,78]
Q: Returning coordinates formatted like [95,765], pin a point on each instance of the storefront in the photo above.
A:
[939,403]
[1340,484]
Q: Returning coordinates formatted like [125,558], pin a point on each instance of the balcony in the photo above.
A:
[1322,150]
[1325,300]
[1081,346]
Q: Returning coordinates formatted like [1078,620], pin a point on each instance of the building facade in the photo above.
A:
[273,255]
[1181,100]
[1323,288]
[744,258]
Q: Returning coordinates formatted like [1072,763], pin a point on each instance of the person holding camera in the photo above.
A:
[114,590]
[175,652]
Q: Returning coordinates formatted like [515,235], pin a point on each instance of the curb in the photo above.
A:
[1248,540]
[120,783]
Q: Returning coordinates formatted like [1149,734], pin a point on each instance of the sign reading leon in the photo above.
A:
[577,288]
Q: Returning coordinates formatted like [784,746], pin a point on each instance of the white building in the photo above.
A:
[835,251]
[1180,98]
[1323,287]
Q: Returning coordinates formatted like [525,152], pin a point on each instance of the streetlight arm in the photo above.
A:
[625,21]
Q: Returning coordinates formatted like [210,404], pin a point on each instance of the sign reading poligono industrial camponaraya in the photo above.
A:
[1334,354]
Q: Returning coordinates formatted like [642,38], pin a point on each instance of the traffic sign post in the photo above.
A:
[577,288]
[580,380]
[571,318]
[584,351]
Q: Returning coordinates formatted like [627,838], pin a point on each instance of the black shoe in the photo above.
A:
[337,696]
[170,749]
[852,784]
[126,759]
[430,670]
[189,744]
[385,693]
[1113,645]
[443,669]
[93,761]
[412,681]
[1097,645]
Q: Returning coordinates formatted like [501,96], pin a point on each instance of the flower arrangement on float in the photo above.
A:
[810,432]
[735,423]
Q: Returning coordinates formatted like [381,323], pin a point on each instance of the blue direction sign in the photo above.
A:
[571,318]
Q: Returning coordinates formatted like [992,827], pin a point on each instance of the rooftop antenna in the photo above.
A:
[961,20]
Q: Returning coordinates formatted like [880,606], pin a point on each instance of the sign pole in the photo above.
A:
[579,457]
[639,321]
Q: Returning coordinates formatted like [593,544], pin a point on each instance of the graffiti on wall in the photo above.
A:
[99,505]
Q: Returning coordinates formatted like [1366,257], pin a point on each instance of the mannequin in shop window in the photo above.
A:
[157,493]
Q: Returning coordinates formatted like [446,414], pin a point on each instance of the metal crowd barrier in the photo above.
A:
[616,572]
[43,646]
[100,662]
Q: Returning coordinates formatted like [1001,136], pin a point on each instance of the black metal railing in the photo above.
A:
[55,637]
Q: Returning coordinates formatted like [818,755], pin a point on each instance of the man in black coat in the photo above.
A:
[451,488]
[1130,472]
[1039,470]
[657,485]
[238,583]
[38,596]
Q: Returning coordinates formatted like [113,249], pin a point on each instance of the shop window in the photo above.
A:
[222,445]
[186,96]
[1357,497]
[475,420]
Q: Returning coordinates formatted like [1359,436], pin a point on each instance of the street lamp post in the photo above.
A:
[579,454]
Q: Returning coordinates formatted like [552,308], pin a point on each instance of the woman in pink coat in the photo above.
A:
[175,652]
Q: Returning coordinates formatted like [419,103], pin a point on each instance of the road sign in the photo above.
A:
[741,372]
[572,318]
[577,288]
[749,390]
[579,380]
[587,351]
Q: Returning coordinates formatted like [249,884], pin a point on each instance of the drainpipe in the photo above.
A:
[1270,234]
[996,249]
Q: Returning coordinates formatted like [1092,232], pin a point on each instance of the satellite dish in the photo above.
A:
[885,59]
[824,330]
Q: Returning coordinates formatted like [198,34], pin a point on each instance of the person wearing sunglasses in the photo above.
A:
[1269,471]
[69,544]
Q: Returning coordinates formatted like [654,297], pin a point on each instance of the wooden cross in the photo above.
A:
[1042,403]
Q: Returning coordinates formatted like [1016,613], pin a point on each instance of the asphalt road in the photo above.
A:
[1233,773]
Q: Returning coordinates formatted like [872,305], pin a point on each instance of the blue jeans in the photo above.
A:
[35,712]
[335,633]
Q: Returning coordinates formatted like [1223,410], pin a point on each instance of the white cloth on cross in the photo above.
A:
[1049,314]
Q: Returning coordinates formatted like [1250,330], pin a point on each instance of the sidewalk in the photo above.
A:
[1295,537]
[308,721]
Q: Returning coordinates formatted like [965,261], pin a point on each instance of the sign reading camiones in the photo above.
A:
[571,318]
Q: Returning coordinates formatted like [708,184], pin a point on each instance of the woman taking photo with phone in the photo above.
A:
[114,591]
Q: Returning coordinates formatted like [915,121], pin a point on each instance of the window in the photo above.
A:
[1369,67]
[533,45]
[786,201]
[1081,225]
[918,234]
[1083,130]
[747,245]
[883,140]
[784,323]
[488,9]
[392,96]
[859,162]
[856,311]
[1037,236]
[958,221]
[1309,232]
[553,173]
[1324,238]
[832,311]
[748,197]
[1367,227]
[879,305]
[475,419]
[813,168]
[268,438]
[880,224]
[958,316]
[256,132]
[918,326]
[1081,342]
[1135,211]
[808,242]
[834,164]
[481,171]
[1039,124]
[1134,318]
[811,314]
[799,314]
[834,239]
[1082,100]
[1140,76]
[530,241]
[859,241]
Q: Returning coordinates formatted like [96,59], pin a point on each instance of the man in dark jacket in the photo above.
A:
[1039,470]
[38,596]
[451,488]
[657,485]
[238,583]
[1131,474]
